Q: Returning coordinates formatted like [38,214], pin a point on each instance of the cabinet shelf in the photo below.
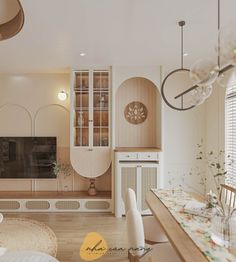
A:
[100,109]
[81,109]
[95,109]
[98,90]
[100,127]
[84,92]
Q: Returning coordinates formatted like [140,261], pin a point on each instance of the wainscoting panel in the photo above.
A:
[56,205]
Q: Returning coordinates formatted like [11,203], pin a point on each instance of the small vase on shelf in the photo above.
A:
[92,190]
[80,119]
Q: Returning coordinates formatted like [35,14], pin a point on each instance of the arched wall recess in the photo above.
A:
[60,126]
[12,125]
[15,22]
[148,133]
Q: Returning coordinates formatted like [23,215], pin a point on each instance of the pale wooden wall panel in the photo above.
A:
[146,134]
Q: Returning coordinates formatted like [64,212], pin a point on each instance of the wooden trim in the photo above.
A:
[181,242]
[137,149]
[228,188]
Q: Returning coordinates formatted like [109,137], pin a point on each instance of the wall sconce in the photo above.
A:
[62,95]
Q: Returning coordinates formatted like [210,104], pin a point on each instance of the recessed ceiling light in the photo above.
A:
[185,54]
[82,54]
[18,77]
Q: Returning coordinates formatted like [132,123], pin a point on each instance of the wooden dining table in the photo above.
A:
[185,247]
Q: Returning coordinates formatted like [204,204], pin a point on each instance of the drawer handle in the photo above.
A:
[149,156]
[90,149]
[127,155]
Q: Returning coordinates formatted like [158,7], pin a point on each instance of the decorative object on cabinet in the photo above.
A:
[13,20]
[135,112]
[137,170]
[62,171]
[92,190]
[90,124]
[80,119]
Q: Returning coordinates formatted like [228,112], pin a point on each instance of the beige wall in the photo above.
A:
[29,106]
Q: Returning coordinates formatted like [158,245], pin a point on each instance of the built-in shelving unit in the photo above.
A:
[90,147]
[91,109]
[137,154]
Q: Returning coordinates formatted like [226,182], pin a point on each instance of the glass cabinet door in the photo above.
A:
[81,121]
[101,108]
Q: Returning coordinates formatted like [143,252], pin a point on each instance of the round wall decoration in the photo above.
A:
[135,112]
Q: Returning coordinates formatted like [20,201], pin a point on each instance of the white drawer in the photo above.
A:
[152,156]
[128,156]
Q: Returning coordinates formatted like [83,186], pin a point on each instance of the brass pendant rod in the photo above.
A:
[182,24]
[218,34]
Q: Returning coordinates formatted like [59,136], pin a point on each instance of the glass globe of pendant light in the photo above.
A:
[204,72]
[228,49]
[224,79]
[200,94]
[196,97]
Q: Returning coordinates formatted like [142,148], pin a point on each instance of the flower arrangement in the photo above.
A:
[216,163]
[62,168]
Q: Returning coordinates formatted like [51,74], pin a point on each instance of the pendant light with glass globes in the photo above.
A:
[204,73]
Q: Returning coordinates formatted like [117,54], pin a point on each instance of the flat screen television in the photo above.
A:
[27,157]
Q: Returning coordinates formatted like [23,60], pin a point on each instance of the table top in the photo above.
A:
[180,240]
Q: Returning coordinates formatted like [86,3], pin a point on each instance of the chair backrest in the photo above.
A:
[135,232]
[228,196]
[130,201]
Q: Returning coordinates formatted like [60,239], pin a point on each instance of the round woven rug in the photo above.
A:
[27,234]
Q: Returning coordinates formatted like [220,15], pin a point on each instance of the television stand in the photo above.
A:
[53,201]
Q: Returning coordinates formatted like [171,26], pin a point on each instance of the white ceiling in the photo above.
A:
[111,32]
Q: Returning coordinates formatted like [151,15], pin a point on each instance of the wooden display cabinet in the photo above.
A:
[91,106]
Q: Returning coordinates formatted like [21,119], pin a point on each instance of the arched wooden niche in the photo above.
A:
[11,18]
[145,133]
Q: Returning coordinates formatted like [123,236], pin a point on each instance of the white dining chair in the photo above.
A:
[1,217]
[138,252]
[152,229]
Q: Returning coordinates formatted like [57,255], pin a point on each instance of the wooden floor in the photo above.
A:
[71,229]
